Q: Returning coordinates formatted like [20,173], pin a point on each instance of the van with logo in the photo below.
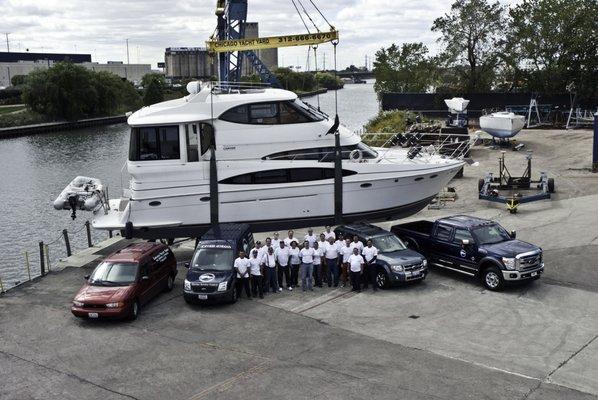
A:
[211,276]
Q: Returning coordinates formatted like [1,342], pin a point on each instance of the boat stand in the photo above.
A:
[509,189]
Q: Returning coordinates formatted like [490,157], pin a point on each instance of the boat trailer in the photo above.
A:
[508,189]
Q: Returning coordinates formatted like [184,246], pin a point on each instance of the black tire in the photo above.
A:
[492,278]
[169,283]
[412,244]
[382,279]
[234,295]
[480,184]
[135,310]
[550,185]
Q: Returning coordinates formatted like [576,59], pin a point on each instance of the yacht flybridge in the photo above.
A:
[271,160]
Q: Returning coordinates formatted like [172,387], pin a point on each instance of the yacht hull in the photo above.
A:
[502,125]
[390,214]
[371,197]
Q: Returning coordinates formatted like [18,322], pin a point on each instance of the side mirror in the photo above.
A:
[145,278]
[513,234]
[187,265]
[465,242]
[86,277]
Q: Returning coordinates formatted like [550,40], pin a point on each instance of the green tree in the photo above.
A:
[151,77]
[552,43]
[328,81]
[18,80]
[114,94]
[403,69]
[295,81]
[154,93]
[473,35]
[64,91]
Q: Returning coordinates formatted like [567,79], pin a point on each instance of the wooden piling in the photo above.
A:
[88,231]
[42,260]
[27,264]
[67,242]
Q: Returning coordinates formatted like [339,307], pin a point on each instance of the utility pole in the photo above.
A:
[324,65]
[127,51]
[366,62]
[7,43]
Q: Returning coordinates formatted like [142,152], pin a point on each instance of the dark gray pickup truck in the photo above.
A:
[475,247]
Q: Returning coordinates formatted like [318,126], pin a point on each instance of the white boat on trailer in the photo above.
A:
[502,125]
[274,167]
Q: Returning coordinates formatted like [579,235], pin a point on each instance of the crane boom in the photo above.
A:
[306,39]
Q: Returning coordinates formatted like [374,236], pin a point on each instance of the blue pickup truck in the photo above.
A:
[475,247]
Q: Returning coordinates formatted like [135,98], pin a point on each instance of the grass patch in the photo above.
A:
[23,118]
[9,109]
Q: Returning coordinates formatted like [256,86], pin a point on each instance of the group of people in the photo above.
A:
[316,261]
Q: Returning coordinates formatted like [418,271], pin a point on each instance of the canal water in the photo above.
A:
[35,169]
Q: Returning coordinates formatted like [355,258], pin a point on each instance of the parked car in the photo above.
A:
[476,247]
[396,263]
[211,276]
[125,281]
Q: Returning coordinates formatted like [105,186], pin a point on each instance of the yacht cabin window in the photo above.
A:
[288,175]
[323,154]
[271,113]
[154,143]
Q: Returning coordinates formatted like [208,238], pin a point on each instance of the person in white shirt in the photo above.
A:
[331,254]
[310,237]
[242,266]
[357,243]
[290,238]
[307,265]
[318,254]
[322,243]
[263,250]
[295,263]
[328,233]
[269,263]
[370,254]
[346,251]
[276,241]
[282,259]
[356,267]
[256,274]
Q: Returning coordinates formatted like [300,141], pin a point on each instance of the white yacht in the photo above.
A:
[275,168]
[502,125]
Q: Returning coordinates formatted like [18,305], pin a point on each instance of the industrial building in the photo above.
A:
[12,64]
[195,62]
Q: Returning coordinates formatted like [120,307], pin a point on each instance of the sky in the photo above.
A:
[101,27]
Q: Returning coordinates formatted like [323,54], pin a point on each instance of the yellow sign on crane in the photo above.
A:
[221,46]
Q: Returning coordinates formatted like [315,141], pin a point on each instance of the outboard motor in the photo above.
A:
[73,201]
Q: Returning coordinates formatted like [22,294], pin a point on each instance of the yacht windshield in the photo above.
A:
[490,234]
[114,274]
[311,110]
[388,244]
[212,259]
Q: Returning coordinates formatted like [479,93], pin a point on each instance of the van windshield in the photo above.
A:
[388,244]
[212,259]
[113,274]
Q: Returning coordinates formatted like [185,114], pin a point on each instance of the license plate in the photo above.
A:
[534,274]
[202,296]
[93,315]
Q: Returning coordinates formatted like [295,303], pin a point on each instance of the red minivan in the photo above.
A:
[126,280]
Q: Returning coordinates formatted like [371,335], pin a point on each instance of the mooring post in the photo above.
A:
[88,231]
[110,234]
[27,265]
[42,266]
[1,286]
[47,253]
[66,242]
[595,153]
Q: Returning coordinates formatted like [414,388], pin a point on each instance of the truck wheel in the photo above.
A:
[492,278]
[480,184]
[382,279]
[550,185]
[412,244]
[233,295]
[169,284]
